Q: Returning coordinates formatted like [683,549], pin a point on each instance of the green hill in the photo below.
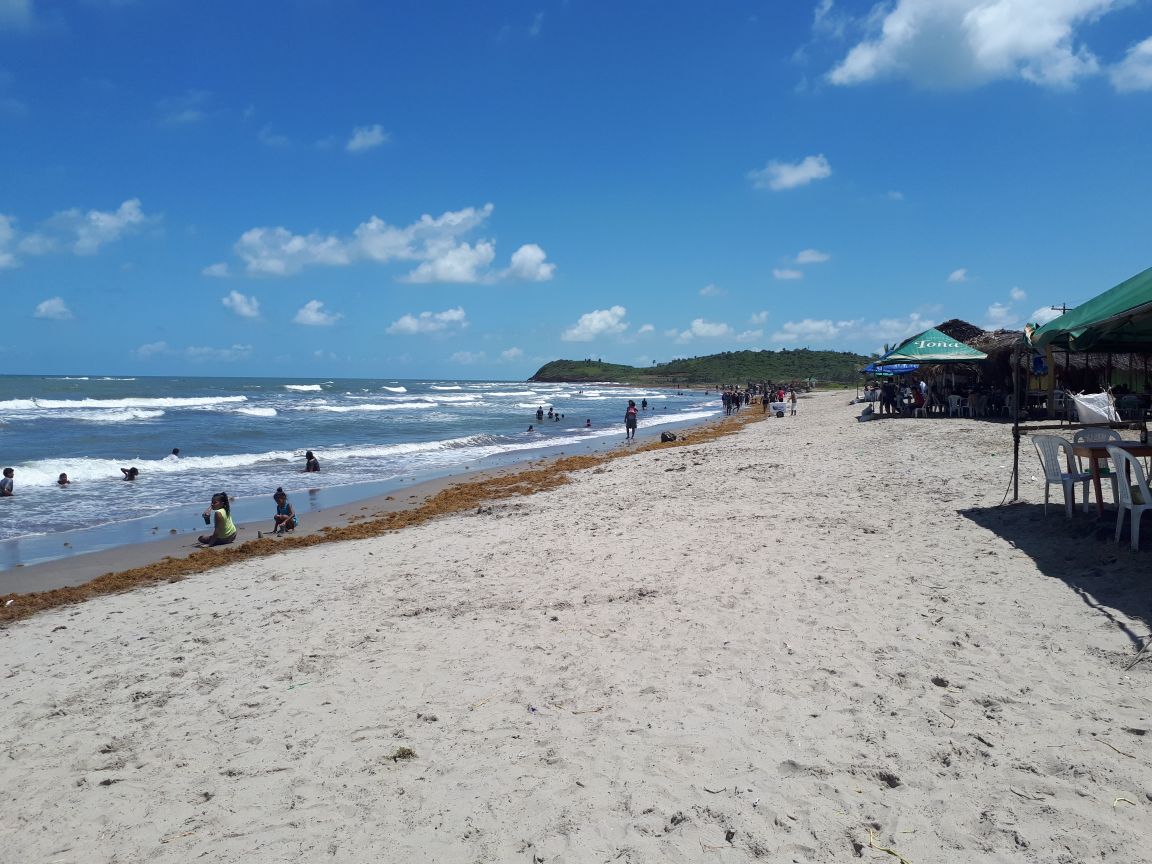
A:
[730,367]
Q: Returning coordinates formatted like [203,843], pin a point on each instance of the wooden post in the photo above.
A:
[1016,421]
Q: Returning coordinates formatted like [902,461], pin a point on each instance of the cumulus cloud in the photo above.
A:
[77,231]
[511,354]
[434,242]
[645,329]
[749,336]
[1017,294]
[966,43]
[812,256]
[152,349]
[1043,315]
[366,138]
[242,305]
[758,317]
[999,316]
[789,175]
[829,332]
[54,309]
[314,314]
[960,275]
[598,323]
[786,274]
[702,329]
[529,263]
[1134,72]
[216,271]
[428,322]
[711,290]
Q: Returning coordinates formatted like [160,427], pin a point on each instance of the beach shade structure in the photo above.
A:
[931,346]
[1117,321]
[894,369]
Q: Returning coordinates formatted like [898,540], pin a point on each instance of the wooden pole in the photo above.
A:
[1016,421]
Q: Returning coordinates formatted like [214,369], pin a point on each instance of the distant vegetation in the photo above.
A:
[730,367]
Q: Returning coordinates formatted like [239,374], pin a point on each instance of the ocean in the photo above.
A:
[246,436]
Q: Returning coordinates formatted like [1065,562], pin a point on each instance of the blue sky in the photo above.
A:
[462,189]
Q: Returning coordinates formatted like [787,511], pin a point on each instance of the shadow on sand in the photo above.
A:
[1080,551]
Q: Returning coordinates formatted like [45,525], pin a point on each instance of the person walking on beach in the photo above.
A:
[630,421]
[792,402]
[6,483]
[311,463]
[219,515]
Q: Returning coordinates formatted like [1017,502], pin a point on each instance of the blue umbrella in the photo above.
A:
[891,369]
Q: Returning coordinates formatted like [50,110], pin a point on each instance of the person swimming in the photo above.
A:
[63,481]
[130,473]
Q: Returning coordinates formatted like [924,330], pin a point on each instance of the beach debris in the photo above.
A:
[9,602]
[301,684]
[715,791]
[61,627]
[890,779]
[531,709]
[1120,798]
[427,718]
[402,753]
[677,818]
[1117,749]
[728,835]
[893,852]
[940,682]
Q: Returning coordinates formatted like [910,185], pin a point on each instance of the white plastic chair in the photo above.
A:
[1093,435]
[1126,462]
[1050,449]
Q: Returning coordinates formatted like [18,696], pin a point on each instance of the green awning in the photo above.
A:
[1119,320]
[931,346]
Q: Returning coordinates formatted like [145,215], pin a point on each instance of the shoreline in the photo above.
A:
[45,585]
[175,530]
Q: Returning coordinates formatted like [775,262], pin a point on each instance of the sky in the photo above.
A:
[446,188]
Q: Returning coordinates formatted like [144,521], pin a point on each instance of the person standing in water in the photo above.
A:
[311,463]
[630,421]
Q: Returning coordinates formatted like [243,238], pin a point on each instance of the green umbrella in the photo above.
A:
[931,346]
[1119,320]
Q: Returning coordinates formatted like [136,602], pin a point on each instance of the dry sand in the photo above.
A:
[786,645]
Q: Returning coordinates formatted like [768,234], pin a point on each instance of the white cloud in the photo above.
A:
[1043,315]
[313,314]
[460,263]
[645,328]
[812,256]
[227,355]
[366,138]
[529,263]
[1017,294]
[785,274]
[54,309]
[153,348]
[1134,72]
[216,271]
[428,322]
[468,358]
[749,336]
[511,354]
[965,43]
[593,325]
[960,275]
[830,333]
[242,305]
[434,242]
[758,317]
[711,290]
[701,329]
[84,233]
[788,175]
[999,316]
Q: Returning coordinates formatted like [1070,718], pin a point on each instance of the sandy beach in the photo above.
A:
[813,640]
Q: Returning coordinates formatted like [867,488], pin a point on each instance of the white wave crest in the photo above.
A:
[304,388]
[142,402]
[253,411]
[117,416]
[446,387]
[400,389]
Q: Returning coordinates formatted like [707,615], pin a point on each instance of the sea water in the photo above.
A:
[247,436]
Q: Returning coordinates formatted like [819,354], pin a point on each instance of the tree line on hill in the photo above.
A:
[728,367]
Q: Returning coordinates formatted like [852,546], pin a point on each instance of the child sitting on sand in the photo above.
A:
[218,514]
[285,517]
